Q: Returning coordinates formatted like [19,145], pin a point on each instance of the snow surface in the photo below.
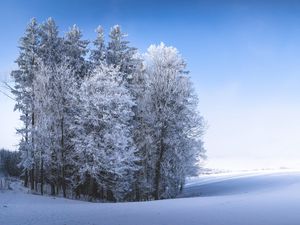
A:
[268,198]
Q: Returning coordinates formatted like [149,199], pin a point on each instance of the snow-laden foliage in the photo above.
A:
[104,149]
[173,123]
[24,95]
[55,88]
[105,123]
[99,53]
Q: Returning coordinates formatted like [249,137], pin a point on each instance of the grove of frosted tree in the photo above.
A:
[101,121]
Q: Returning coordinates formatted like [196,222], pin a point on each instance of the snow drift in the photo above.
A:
[251,199]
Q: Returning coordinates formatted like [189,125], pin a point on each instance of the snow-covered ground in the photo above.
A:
[257,198]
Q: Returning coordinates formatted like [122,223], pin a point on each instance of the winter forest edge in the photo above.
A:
[101,121]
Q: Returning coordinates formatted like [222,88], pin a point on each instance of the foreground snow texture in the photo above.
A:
[249,199]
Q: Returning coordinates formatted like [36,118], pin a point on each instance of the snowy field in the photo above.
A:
[268,198]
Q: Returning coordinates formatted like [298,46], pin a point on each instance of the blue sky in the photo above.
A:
[243,56]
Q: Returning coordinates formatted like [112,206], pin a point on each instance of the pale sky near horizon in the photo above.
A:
[243,56]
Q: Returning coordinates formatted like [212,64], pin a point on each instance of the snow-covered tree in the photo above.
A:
[120,54]
[143,137]
[175,126]
[55,90]
[24,94]
[98,55]
[44,117]
[104,148]
[50,50]
[75,50]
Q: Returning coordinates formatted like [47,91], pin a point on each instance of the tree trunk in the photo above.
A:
[42,176]
[32,141]
[63,158]
[181,186]
[157,179]
[91,188]
[36,178]
[32,179]
[26,178]
[64,187]
[26,140]
[110,196]
[52,189]
[137,196]
[101,192]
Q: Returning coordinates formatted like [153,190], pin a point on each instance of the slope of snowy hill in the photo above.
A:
[235,199]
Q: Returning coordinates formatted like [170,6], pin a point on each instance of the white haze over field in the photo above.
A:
[245,133]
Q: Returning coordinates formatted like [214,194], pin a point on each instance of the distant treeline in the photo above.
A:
[9,162]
